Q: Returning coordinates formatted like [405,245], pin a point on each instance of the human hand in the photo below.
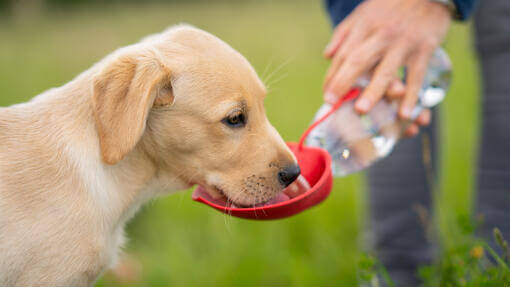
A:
[380,36]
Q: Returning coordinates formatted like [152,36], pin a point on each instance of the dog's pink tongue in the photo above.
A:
[298,187]
[202,192]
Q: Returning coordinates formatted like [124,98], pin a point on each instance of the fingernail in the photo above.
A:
[363,105]
[327,50]
[406,113]
[398,88]
[330,98]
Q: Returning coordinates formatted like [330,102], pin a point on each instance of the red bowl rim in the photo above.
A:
[322,181]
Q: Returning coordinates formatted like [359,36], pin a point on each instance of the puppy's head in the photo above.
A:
[195,107]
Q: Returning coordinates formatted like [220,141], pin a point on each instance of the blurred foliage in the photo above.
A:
[9,5]
[471,262]
[371,272]
[4,4]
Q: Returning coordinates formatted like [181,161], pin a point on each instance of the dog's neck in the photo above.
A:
[117,191]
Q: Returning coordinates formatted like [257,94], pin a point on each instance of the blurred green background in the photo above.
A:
[181,243]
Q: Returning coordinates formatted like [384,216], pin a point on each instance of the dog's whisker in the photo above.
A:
[227,214]
[281,77]
[282,65]
[266,69]
[226,218]
[264,212]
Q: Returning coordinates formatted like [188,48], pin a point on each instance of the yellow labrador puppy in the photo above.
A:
[76,162]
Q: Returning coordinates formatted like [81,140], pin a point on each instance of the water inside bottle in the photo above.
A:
[357,141]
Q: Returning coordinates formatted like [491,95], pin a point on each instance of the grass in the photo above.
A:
[181,243]
[471,262]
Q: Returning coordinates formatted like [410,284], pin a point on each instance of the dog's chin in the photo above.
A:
[215,193]
[232,201]
[221,197]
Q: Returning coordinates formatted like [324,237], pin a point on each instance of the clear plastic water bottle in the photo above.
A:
[357,141]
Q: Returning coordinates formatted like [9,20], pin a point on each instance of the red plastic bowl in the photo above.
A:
[315,164]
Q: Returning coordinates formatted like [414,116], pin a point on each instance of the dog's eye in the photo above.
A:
[235,121]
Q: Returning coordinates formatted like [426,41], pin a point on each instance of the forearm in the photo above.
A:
[465,8]
[339,9]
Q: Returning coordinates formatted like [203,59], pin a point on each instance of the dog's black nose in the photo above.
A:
[287,175]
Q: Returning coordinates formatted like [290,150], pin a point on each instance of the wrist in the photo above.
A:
[449,5]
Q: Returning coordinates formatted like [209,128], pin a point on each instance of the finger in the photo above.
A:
[384,74]
[358,33]
[416,71]
[424,118]
[358,62]
[339,35]
[350,43]
[411,130]
[333,68]
[396,90]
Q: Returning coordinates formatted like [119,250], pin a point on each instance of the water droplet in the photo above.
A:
[346,153]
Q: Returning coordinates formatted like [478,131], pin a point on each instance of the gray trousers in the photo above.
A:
[400,186]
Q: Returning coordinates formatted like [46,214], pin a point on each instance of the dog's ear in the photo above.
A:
[124,93]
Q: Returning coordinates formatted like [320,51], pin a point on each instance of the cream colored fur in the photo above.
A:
[77,161]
